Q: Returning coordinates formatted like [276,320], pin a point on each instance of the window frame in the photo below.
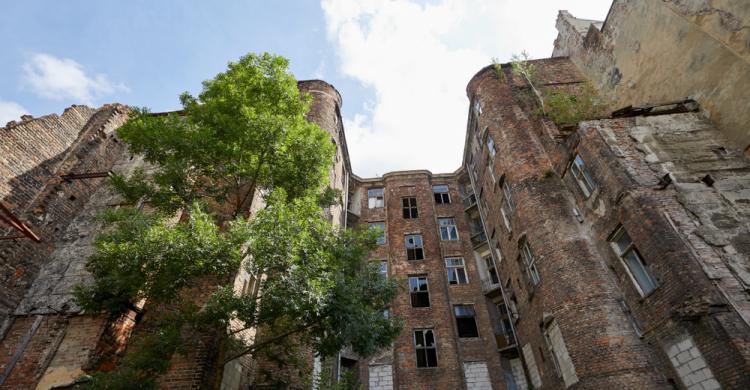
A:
[455,267]
[529,261]
[447,228]
[489,265]
[585,182]
[441,195]
[415,248]
[383,236]
[418,279]
[379,202]
[425,347]
[473,318]
[490,143]
[409,209]
[631,248]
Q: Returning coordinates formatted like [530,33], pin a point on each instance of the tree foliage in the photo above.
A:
[245,134]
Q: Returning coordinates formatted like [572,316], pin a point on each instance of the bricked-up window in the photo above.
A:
[381,227]
[456,270]
[448,229]
[560,357]
[426,348]
[442,195]
[582,176]
[414,249]
[634,264]
[419,292]
[529,263]
[375,198]
[491,146]
[409,207]
[465,321]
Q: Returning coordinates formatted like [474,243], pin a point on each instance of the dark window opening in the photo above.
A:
[420,295]
[424,343]
[465,321]
[414,249]
[409,206]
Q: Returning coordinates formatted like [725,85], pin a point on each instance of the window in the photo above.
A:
[477,108]
[636,268]
[383,269]
[250,286]
[530,263]
[506,207]
[456,270]
[582,176]
[491,271]
[491,146]
[465,321]
[448,229]
[441,193]
[381,227]
[559,351]
[409,206]
[375,198]
[424,344]
[418,291]
[414,249]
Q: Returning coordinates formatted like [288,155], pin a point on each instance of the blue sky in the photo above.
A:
[401,66]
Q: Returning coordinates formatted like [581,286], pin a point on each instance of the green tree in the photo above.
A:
[246,133]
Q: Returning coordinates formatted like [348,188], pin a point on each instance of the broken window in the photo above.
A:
[441,193]
[418,291]
[414,249]
[456,270]
[409,207]
[375,198]
[465,321]
[529,263]
[634,264]
[426,348]
[582,176]
[448,229]
[381,227]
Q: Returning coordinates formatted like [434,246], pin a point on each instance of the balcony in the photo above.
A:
[478,238]
[490,284]
[469,201]
[504,340]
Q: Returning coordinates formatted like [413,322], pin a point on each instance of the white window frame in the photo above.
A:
[418,244]
[451,265]
[622,253]
[530,262]
[443,194]
[582,177]
[444,225]
[376,201]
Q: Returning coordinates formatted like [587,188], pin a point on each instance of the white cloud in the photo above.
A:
[10,111]
[418,58]
[63,78]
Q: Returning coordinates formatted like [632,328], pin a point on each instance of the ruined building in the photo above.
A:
[613,253]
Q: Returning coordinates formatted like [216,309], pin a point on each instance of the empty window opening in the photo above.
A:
[419,291]
[409,206]
[456,270]
[465,321]
[426,348]
[414,249]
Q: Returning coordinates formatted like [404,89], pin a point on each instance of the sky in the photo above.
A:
[401,66]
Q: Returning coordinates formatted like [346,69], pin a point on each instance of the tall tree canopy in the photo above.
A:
[246,132]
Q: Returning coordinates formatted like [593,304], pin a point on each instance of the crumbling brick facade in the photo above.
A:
[614,253]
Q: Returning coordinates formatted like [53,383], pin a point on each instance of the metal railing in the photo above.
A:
[489,285]
[478,238]
[469,201]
